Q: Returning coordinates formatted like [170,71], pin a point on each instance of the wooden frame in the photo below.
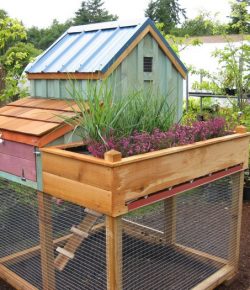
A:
[46,240]
[109,185]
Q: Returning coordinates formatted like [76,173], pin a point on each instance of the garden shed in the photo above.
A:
[168,219]
[134,55]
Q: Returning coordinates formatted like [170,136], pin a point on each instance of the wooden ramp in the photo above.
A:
[79,234]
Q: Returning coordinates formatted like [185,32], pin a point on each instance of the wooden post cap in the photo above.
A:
[113,156]
[241,129]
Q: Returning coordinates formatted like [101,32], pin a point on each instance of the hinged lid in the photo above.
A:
[35,121]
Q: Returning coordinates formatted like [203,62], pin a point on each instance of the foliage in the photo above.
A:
[14,61]
[240,17]
[118,116]
[92,11]
[167,12]
[143,142]
[234,63]
[11,30]
[178,44]
[203,24]
[43,38]
[3,14]
[232,75]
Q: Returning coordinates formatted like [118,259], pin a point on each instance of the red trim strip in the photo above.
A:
[166,193]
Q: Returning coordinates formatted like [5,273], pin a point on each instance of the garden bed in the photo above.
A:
[109,185]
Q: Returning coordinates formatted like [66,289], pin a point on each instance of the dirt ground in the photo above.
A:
[242,282]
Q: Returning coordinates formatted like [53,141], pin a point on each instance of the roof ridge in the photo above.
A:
[106,25]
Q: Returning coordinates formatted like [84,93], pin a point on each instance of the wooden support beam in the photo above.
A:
[114,252]
[204,255]
[235,227]
[14,280]
[170,219]
[142,232]
[46,241]
[216,279]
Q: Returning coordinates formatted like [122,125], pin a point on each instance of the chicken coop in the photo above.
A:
[168,219]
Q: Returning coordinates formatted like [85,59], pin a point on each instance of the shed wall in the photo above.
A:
[128,76]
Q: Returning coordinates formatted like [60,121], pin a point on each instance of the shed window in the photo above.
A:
[147,64]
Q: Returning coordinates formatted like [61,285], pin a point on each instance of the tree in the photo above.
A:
[11,30]
[14,56]
[13,62]
[43,38]
[240,17]
[3,14]
[92,11]
[167,12]
[203,24]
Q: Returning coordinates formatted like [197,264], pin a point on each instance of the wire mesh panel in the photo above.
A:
[179,242]
[173,244]
[77,259]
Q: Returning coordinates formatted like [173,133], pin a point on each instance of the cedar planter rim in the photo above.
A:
[61,150]
[109,185]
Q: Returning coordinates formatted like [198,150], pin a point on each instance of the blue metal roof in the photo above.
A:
[91,48]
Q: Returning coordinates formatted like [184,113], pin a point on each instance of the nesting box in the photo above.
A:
[25,126]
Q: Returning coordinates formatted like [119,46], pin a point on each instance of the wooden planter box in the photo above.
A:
[111,185]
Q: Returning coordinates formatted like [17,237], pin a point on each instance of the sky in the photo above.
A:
[41,13]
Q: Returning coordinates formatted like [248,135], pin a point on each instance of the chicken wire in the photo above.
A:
[172,244]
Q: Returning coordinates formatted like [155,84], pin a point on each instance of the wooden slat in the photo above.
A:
[23,151]
[75,241]
[216,279]
[39,141]
[170,220]
[48,104]
[31,127]
[64,76]
[53,135]
[152,175]
[46,241]
[235,225]
[88,173]
[18,179]
[18,166]
[37,114]
[159,153]
[13,110]
[114,252]
[201,254]
[19,137]
[79,193]
[14,280]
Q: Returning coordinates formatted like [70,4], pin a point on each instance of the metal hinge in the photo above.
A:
[23,177]
[37,153]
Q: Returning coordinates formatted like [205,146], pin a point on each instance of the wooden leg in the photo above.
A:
[46,241]
[170,219]
[114,252]
[237,201]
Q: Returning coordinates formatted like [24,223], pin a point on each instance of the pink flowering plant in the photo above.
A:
[138,123]
[177,135]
